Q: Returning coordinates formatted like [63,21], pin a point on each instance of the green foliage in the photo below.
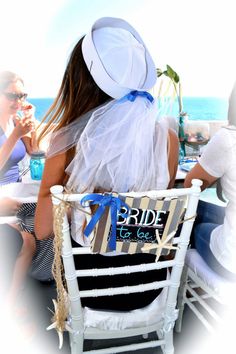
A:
[169,72]
[174,77]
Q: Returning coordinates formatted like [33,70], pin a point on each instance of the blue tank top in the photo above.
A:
[10,172]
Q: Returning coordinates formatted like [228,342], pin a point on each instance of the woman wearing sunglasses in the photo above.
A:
[15,132]
[15,141]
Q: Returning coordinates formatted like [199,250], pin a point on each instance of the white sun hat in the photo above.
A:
[117,58]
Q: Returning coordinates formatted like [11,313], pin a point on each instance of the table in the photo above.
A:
[180,175]
[209,196]
[27,192]
[22,192]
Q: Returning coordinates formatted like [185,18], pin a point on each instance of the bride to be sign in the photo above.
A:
[147,218]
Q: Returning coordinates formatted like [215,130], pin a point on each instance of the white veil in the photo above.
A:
[120,146]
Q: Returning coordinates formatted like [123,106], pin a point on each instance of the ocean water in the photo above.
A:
[197,108]
[204,108]
[41,106]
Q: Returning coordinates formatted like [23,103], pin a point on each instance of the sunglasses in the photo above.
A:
[15,96]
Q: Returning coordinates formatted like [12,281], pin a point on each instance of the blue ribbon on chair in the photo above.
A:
[103,201]
[131,96]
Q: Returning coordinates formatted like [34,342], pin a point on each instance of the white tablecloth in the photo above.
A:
[22,192]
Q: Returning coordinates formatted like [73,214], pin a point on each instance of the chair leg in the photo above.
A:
[76,343]
[168,347]
[180,299]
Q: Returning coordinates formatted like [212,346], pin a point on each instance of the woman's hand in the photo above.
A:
[8,206]
[28,111]
[30,140]
[23,126]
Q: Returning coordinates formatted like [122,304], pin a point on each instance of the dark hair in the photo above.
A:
[77,95]
[8,77]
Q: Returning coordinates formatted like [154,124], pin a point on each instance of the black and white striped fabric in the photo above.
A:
[25,215]
[41,267]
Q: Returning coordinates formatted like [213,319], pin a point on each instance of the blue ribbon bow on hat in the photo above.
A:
[134,94]
[131,96]
[103,201]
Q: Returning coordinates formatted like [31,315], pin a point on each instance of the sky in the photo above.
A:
[196,38]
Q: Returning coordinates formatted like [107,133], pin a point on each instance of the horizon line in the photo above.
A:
[187,96]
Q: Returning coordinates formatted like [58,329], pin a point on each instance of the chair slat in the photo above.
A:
[124,270]
[125,289]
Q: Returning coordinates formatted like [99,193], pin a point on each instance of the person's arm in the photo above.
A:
[30,139]
[7,147]
[214,162]
[8,206]
[22,127]
[199,172]
[54,173]
[173,156]
[30,142]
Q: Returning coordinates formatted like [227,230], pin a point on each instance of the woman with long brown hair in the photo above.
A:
[106,135]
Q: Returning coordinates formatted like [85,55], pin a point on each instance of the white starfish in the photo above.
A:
[59,330]
[161,244]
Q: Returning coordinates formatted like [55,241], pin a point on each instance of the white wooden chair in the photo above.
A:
[161,314]
[206,293]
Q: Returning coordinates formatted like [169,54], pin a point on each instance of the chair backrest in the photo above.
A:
[137,232]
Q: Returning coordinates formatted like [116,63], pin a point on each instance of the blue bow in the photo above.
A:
[105,200]
[131,96]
